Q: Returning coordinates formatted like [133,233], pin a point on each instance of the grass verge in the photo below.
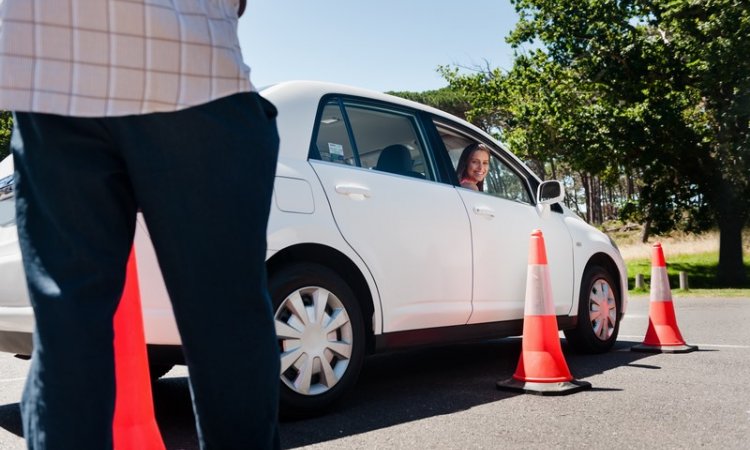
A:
[695,254]
[701,269]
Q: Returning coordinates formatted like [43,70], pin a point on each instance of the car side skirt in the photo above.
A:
[459,333]
[21,344]
[17,342]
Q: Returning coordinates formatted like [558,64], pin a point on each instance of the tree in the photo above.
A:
[651,90]
[544,113]
[6,126]
[445,99]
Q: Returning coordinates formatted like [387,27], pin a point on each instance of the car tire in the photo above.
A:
[598,313]
[321,337]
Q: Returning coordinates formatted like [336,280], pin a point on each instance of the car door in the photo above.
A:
[502,218]
[411,231]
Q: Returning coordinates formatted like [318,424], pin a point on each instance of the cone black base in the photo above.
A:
[545,389]
[643,348]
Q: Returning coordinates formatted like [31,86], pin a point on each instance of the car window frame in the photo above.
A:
[342,100]
[529,180]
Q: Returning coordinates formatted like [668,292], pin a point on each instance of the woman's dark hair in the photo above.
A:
[463,161]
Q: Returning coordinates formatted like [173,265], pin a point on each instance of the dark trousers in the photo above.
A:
[203,179]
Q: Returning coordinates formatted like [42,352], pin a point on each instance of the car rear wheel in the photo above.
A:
[598,313]
[321,337]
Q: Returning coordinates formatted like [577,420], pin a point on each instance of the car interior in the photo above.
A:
[397,159]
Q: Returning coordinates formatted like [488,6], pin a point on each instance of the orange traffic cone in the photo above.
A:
[542,369]
[663,335]
[134,425]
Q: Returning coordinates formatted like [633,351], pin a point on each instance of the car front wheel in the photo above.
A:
[321,337]
[598,313]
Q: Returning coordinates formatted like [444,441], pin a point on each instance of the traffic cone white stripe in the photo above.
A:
[660,291]
[538,291]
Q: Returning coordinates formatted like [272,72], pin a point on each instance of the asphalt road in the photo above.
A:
[445,398]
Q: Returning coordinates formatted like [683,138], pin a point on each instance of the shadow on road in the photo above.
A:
[416,384]
[10,419]
[174,413]
[394,388]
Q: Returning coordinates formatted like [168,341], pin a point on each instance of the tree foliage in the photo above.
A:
[6,126]
[647,97]
[446,99]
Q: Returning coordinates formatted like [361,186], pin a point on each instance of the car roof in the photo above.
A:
[298,100]
[321,88]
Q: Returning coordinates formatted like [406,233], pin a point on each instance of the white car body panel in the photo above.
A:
[588,241]
[17,319]
[12,292]
[285,230]
[427,285]
[288,228]
[501,230]
[15,313]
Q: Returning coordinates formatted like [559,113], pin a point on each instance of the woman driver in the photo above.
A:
[472,166]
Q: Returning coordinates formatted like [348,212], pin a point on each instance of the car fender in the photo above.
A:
[300,215]
[587,243]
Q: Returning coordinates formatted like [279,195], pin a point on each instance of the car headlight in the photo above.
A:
[7,186]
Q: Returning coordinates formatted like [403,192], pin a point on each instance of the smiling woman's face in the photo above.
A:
[478,164]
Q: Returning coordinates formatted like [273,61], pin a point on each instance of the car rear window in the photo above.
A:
[371,137]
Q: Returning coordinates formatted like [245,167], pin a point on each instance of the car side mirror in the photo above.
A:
[550,192]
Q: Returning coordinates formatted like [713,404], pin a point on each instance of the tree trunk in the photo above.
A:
[585,182]
[554,169]
[630,187]
[731,201]
[646,231]
[596,200]
[731,271]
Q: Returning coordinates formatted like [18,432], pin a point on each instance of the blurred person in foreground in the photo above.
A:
[122,105]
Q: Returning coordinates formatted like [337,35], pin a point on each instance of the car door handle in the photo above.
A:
[355,192]
[484,211]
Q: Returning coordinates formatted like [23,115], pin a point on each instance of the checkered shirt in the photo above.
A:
[94,58]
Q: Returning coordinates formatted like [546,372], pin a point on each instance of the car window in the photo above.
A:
[332,141]
[501,180]
[372,137]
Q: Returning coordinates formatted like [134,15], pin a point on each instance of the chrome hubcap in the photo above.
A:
[602,309]
[315,338]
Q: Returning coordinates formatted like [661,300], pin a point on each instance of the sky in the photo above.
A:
[383,45]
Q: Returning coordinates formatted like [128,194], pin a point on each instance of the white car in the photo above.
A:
[373,249]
